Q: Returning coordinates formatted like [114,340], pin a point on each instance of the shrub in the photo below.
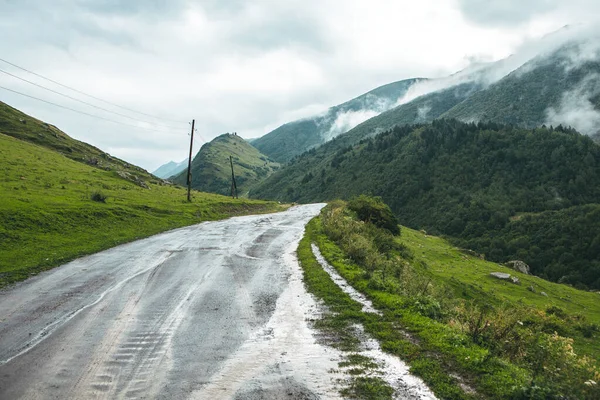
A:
[99,197]
[375,211]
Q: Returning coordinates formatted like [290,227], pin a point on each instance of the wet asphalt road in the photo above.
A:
[215,310]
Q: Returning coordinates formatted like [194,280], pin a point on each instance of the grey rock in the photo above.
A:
[518,265]
[506,277]
[543,294]
[500,275]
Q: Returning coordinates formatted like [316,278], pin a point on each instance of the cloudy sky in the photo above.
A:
[243,66]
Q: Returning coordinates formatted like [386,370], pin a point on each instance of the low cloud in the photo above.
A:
[504,12]
[576,108]
[347,120]
[422,113]
[523,60]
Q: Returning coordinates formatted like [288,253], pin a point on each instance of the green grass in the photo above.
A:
[47,216]
[470,278]
[432,295]
[345,312]
[21,126]
[398,328]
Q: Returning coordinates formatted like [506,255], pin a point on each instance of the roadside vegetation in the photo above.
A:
[466,333]
[55,209]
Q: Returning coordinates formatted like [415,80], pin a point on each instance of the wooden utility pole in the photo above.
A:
[189,174]
[233,184]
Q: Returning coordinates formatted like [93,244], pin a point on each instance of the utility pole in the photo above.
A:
[189,174]
[233,184]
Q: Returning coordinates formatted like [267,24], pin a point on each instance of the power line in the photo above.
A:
[81,112]
[85,102]
[89,95]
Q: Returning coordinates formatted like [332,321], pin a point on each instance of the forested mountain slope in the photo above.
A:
[484,183]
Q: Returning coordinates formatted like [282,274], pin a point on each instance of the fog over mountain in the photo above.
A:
[552,81]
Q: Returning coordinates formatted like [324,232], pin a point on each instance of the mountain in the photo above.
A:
[559,87]
[298,136]
[530,194]
[170,169]
[211,170]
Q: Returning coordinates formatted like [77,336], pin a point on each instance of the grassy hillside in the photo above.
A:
[467,334]
[211,169]
[471,182]
[296,137]
[55,209]
[21,126]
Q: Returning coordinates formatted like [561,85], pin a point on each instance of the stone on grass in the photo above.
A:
[518,265]
[506,277]
[500,275]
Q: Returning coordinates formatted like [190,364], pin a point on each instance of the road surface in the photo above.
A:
[211,311]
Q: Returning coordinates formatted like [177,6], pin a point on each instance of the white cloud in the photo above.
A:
[348,120]
[239,66]
[575,108]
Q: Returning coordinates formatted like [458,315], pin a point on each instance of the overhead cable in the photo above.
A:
[89,95]
[82,112]
[85,102]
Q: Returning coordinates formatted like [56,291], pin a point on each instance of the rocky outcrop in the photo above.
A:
[132,178]
[518,265]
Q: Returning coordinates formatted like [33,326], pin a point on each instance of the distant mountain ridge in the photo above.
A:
[170,169]
[211,170]
[298,136]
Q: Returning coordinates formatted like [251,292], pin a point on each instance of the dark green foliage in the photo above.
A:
[510,193]
[373,210]
[425,108]
[99,197]
[561,246]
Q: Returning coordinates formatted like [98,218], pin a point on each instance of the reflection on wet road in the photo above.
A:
[216,310]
